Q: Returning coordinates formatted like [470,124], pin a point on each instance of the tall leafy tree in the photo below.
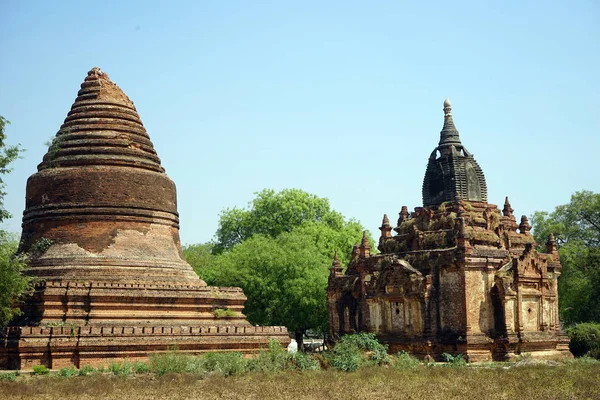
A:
[13,284]
[576,227]
[8,154]
[272,213]
[278,250]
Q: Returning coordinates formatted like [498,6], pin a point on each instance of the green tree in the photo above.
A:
[201,258]
[284,279]
[279,250]
[8,154]
[272,213]
[13,285]
[576,227]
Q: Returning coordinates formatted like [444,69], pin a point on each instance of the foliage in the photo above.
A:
[223,313]
[284,279]
[226,364]
[68,372]
[8,376]
[271,214]
[278,250]
[171,362]
[454,361]
[13,284]
[404,360]
[40,370]
[354,350]
[140,367]
[86,370]
[120,369]
[305,362]
[585,340]
[201,258]
[272,360]
[8,154]
[576,227]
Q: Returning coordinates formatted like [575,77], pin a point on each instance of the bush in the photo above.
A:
[140,367]
[164,363]
[585,339]
[68,372]
[454,361]
[346,357]
[40,370]
[354,350]
[276,358]
[119,369]
[9,376]
[226,364]
[305,362]
[86,370]
[404,360]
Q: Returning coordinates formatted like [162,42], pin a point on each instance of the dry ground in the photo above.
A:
[532,382]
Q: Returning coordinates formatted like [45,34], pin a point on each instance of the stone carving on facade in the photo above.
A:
[459,275]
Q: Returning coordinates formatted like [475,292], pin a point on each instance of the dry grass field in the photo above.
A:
[569,381]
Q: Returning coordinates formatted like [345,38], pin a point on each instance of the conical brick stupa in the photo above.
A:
[102,231]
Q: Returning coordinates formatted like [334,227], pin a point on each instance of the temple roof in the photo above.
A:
[452,173]
[102,128]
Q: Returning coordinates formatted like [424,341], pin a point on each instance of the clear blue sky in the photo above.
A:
[342,99]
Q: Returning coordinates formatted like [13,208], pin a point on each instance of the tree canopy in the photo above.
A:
[272,213]
[13,284]
[576,227]
[278,250]
[8,154]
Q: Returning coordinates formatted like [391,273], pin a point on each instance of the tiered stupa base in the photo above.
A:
[95,323]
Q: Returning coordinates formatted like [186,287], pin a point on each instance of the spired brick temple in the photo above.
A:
[102,232]
[459,276]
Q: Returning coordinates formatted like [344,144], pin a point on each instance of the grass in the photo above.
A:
[572,380]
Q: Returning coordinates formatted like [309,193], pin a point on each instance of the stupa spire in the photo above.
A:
[452,173]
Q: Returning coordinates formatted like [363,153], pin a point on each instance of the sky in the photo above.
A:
[342,99]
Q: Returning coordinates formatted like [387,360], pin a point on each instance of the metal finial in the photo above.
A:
[447,107]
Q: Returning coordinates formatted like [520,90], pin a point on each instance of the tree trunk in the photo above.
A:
[300,339]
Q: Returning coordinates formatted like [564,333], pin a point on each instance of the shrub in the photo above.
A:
[346,356]
[140,367]
[8,376]
[40,370]
[164,363]
[585,339]
[119,369]
[454,361]
[274,359]
[353,350]
[68,372]
[404,360]
[86,370]
[305,362]
[226,364]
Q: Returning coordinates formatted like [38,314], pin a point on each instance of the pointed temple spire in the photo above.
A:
[507,211]
[452,173]
[551,246]
[449,133]
[101,182]
[365,246]
[386,231]
[524,226]
[102,128]
[336,267]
